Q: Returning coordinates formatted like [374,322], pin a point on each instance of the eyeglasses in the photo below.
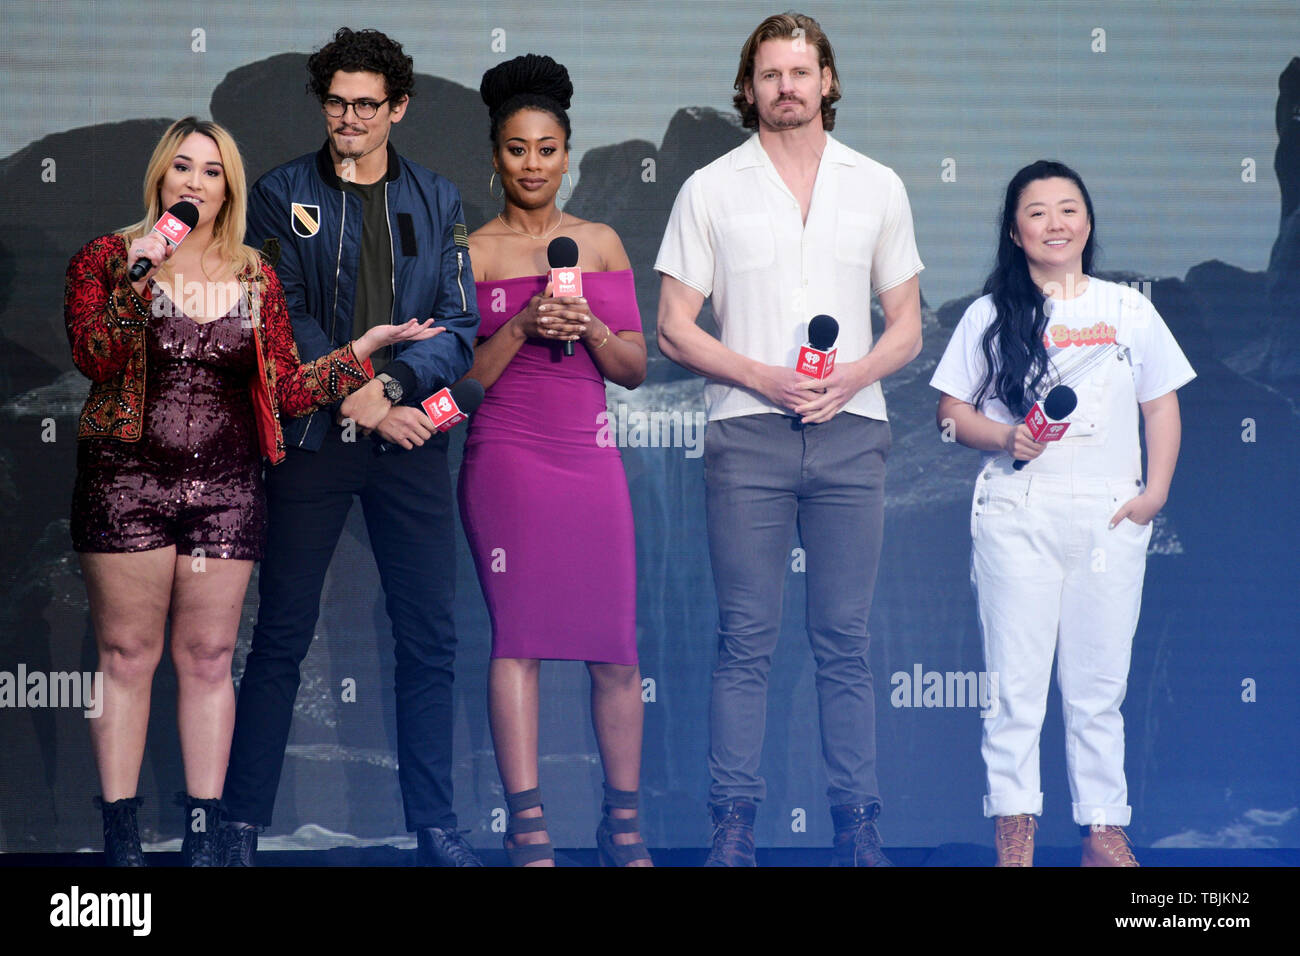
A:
[364,109]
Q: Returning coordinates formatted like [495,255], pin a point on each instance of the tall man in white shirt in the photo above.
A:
[784,227]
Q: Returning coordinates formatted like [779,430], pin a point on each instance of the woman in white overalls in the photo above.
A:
[1059,547]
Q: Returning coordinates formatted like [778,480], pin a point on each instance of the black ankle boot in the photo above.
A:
[857,841]
[121,832]
[733,834]
[240,844]
[203,843]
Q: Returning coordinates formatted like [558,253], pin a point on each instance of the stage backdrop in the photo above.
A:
[1184,119]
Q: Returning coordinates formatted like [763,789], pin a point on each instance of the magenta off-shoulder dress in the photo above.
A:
[545,506]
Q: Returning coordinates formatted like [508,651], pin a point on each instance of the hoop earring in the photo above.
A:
[491,180]
[570,179]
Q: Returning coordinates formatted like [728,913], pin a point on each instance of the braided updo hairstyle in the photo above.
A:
[530,81]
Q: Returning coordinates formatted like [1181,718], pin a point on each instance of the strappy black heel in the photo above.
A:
[524,853]
[609,852]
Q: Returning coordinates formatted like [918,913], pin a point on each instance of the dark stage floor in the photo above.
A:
[944,855]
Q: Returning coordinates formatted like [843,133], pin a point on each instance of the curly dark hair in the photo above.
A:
[530,81]
[362,51]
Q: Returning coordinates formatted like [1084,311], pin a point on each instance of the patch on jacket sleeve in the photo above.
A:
[460,235]
[306,219]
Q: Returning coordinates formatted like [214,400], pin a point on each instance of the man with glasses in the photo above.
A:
[363,237]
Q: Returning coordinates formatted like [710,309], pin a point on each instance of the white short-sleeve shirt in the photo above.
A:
[737,234]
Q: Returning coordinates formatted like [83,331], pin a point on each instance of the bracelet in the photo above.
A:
[602,341]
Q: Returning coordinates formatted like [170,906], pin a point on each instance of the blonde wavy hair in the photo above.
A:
[228,229]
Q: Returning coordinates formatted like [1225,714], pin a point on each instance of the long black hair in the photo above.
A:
[530,81]
[1015,357]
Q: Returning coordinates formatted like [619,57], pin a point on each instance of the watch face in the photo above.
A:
[393,390]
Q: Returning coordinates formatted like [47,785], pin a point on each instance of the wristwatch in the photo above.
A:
[393,390]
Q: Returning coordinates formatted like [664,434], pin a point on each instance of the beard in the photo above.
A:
[348,147]
[779,118]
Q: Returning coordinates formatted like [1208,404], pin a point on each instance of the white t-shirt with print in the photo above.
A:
[1107,330]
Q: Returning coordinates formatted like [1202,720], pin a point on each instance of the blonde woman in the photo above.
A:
[190,367]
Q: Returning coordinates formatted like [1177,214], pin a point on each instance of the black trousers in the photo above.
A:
[406,499]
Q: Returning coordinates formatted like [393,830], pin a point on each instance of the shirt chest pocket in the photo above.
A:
[855,238]
[747,243]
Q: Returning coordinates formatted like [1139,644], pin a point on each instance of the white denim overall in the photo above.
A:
[1050,576]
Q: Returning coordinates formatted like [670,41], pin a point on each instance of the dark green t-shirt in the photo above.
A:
[374,302]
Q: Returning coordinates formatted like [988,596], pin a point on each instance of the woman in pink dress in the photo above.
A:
[544,502]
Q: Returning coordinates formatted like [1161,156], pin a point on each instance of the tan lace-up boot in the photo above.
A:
[1013,838]
[1106,846]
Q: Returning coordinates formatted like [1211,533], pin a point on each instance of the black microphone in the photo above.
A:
[566,277]
[817,358]
[1044,419]
[448,407]
[822,332]
[173,225]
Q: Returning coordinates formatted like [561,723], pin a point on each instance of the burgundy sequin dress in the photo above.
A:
[194,478]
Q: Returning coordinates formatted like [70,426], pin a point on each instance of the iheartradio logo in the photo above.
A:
[172,229]
[566,281]
[815,363]
[442,410]
[1042,428]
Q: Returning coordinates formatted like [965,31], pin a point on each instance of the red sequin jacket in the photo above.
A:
[106,323]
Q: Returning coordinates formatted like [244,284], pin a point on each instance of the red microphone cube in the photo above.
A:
[171,228]
[815,363]
[566,281]
[1043,428]
[443,410]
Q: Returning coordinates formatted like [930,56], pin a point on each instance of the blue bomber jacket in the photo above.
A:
[317,225]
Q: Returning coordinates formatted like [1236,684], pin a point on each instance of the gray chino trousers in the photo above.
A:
[768,476]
